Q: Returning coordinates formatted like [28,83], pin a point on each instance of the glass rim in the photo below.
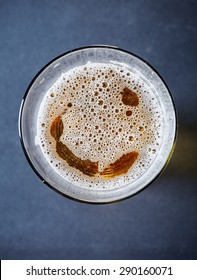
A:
[20,131]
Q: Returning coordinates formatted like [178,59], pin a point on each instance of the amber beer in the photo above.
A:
[101,126]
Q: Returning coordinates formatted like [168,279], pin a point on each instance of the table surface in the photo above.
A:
[159,222]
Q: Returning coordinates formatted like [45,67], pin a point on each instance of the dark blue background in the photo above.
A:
[38,223]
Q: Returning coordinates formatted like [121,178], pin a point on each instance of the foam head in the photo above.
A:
[100,126]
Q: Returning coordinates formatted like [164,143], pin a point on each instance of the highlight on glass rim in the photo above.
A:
[97,124]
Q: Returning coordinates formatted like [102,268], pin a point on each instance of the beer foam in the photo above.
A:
[98,126]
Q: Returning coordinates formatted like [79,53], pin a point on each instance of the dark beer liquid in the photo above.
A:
[88,167]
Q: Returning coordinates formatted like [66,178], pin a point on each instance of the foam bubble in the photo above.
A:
[98,124]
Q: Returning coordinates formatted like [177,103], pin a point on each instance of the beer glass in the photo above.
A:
[44,80]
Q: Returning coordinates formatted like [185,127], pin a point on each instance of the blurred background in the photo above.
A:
[159,222]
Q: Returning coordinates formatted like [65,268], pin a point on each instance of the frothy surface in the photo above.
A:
[98,125]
